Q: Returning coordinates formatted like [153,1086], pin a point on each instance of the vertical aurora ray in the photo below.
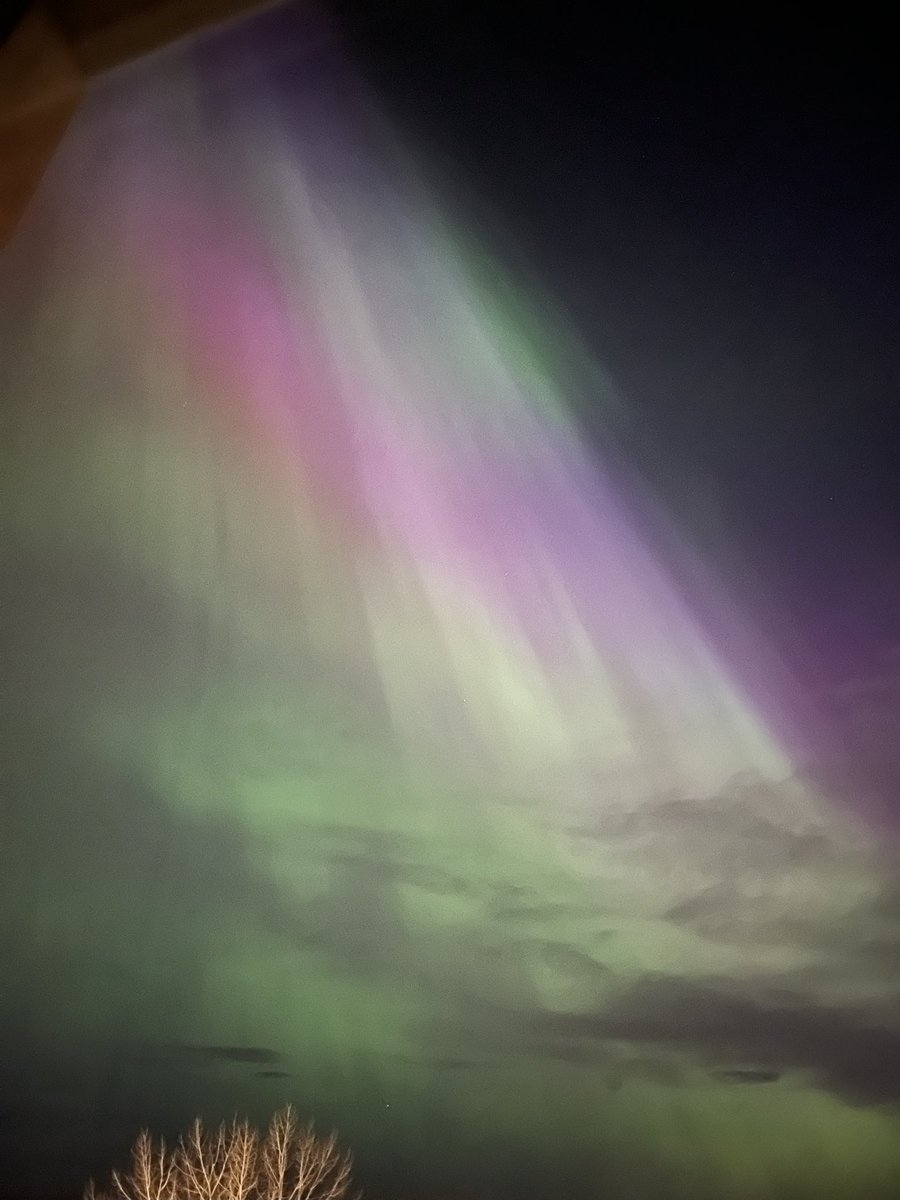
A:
[369,367]
[401,774]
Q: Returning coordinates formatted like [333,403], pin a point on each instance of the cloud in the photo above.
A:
[746,1075]
[713,1020]
[238,1054]
[193,1053]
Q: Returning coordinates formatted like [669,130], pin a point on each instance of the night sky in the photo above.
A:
[714,203]
[451,607]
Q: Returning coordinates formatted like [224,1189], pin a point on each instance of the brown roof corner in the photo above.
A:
[40,87]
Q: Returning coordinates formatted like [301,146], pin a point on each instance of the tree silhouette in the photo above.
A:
[234,1163]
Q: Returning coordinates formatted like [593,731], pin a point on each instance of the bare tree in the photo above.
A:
[232,1163]
[296,1165]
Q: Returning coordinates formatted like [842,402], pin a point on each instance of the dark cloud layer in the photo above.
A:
[840,1047]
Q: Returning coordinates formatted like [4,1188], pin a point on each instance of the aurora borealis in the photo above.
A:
[362,748]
